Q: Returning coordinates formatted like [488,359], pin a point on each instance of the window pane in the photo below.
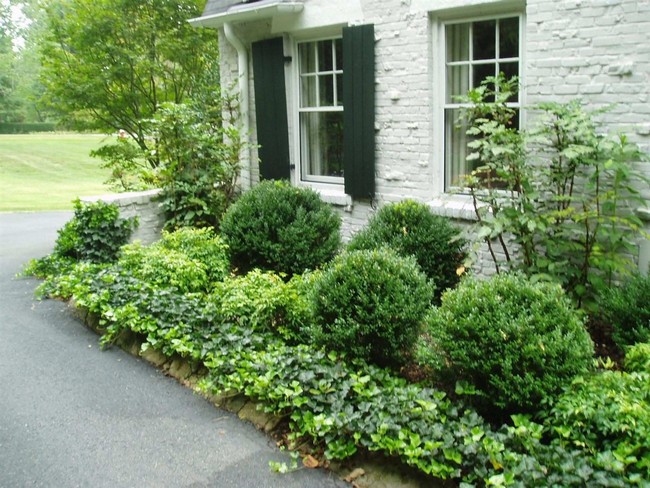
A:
[308,91]
[325,56]
[455,148]
[326,90]
[509,38]
[457,42]
[484,41]
[322,143]
[307,58]
[510,70]
[339,90]
[457,82]
[482,71]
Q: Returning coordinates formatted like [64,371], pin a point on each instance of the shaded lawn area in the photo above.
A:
[46,171]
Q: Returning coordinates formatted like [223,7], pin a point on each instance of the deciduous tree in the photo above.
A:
[110,64]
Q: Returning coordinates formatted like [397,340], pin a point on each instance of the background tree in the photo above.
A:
[110,64]
[7,61]
[20,88]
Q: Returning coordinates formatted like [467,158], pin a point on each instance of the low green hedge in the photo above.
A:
[26,128]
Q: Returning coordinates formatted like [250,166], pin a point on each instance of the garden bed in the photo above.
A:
[506,364]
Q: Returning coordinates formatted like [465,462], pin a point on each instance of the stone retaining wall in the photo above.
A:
[140,204]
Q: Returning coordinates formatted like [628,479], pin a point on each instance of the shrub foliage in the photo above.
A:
[409,228]
[515,342]
[95,233]
[627,309]
[340,403]
[556,200]
[189,260]
[371,304]
[607,413]
[279,227]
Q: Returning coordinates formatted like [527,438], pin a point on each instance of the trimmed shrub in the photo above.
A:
[279,227]
[95,233]
[627,309]
[409,228]
[202,245]
[515,342]
[188,259]
[370,304]
[26,128]
[162,268]
[262,300]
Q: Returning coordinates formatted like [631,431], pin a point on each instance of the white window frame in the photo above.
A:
[439,23]
[302,152]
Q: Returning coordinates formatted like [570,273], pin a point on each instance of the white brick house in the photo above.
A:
[402,60]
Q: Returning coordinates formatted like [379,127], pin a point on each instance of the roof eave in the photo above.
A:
[252,12]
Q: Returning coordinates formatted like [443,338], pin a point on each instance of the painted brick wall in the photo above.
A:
[598,50]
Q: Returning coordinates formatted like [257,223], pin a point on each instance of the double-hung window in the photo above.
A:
[332,111]
[474,50]
[321,110]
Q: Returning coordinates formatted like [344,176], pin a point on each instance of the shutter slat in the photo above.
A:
[271,109]
[359,110]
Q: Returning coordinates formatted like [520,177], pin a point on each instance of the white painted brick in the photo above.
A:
[572,46]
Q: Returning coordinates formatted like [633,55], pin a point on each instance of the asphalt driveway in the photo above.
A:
[74,416]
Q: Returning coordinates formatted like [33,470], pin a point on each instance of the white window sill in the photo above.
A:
[453,206]
[334,196]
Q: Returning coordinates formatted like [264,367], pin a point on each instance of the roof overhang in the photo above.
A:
[249,12]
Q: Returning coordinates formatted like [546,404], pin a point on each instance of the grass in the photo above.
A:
[47,171]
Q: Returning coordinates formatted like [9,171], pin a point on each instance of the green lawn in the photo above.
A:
[47,171]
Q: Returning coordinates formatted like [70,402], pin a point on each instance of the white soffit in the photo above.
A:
[248,12]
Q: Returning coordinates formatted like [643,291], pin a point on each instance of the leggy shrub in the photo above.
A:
[371,304]
[95,233]
[279,227]
[515,342]
[627,309]
[409,228]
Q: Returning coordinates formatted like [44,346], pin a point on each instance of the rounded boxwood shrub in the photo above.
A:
[627,309]
[409,228]
[513,341]
[279,227]
[371,304]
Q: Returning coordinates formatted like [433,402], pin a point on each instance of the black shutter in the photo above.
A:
[359,110]
[271,109]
